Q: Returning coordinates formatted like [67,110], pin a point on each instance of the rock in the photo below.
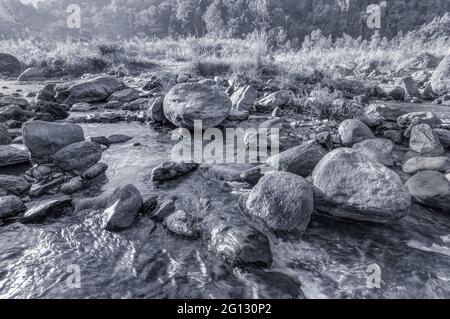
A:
[47,208]
[238,115]
[277,112]
[5,139]
[56,110]
[397,93]
[378,149]
[161,82]
[73,186]
[362,99]
[12,112]
[13,185]
[122,208]
[238,80]
[284,201]
[11,206]
[94,90]
[417,164]
[430,189]
[83,107]
[244,98]
[32,74]
[118,138]
[14,100]
[419,118]
[9,65]
[44,139]
[47,93]
[156,111]
[270,102]
[78,156]
[164,209]
[424,141]
[393,135]
[299,160]
[53,186]
[94,171]
[410,87]
[238,243]
[12,155]
[440,80]
[102,140]
[149,206]
[172,170]
[253,175]
[125,95]
[182,224]
[324,139]
[383,112]
[188,102]
[136,105]
[443,136]
[354,131]
[207,82]
[352,186]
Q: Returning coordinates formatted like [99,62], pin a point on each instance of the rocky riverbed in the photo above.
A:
[86,180]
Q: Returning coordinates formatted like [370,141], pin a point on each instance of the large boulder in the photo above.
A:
[188,102]
[424,141]
[352,186]
[440,80]
[299,160]
[56,110]
[14,100]
[244,98]
[283,200]
[9,65]
[13,185]
[78,156]
[354,131]
[94,90]
[417,164]
[44,139]
[122,208]
[12,155]
[431,189]
[274,100]
[378,149]
[47,93]
[10,206]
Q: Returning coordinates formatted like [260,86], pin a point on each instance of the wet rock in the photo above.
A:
[393,135]
[440,80]
[410,87]
[238,243]
[12,155]
[283,201]
[73,186]
[13,100]
[5,139]
[149,206]
[12,112]
[78,156]
[122,208]
[270,102]
[352,186]
[118,138]
[11,206]
[13,185]
[419,118]
[171,170]
[354,131]
[156,111]
[102,140]
[188,102]
[443,136]
[83,107]
[44,139]
[93,90]
[32,74]
[94,171]
[430,189]
[9,65]
[417,164]
[424,141]
[164,209]
[47,208]
[125,95]
[244,98]
[47,93]
[56,110]
[51,187]
[378,149]
[183,225]
[299,160]
[253,175]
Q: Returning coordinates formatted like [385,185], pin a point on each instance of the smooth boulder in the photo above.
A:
[417,164]
[9,65]
[78,156]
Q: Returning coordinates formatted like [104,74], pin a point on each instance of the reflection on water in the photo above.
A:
[330,260]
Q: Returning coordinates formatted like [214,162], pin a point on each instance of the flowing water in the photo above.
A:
[333,259]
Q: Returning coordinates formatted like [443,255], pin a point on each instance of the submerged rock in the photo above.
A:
[182,224]
[122,208]
[47,208]
[378,149]
[13,185]
[44,139]
[188,102]
[431,189]
[12,155]
[78,156]
[283,200]
[11,206]
[171,170]
[417,164]
[354,131]
[352,186]
[424,141]
[118,138]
